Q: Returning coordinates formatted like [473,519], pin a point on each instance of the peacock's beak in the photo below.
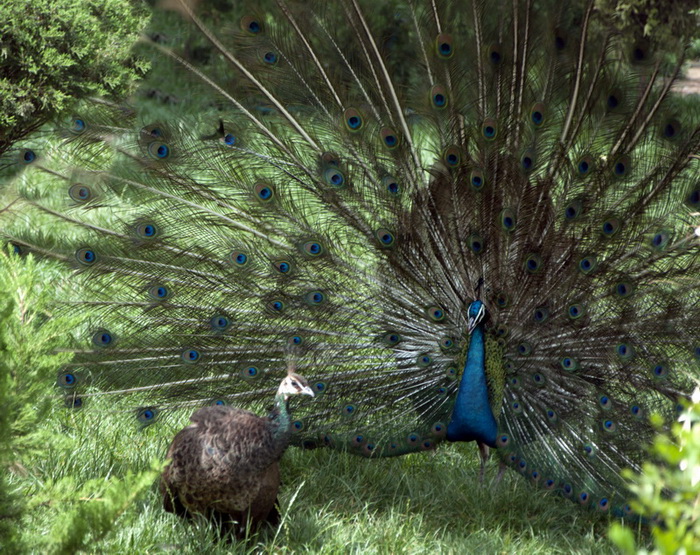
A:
[307,391]
[471,324]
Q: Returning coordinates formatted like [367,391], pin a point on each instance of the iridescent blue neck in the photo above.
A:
[472,418]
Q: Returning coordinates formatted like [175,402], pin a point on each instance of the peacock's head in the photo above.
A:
[294,384]
[475,314]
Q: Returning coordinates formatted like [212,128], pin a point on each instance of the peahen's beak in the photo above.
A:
[307,391]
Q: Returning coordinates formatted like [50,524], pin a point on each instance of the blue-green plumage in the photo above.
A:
[472,417]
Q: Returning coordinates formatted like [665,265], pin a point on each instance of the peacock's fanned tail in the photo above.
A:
[331,201]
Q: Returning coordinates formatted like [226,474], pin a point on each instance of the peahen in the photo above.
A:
[479,223]
[225,465]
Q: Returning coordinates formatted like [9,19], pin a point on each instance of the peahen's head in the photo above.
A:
[294,384]
[475,314]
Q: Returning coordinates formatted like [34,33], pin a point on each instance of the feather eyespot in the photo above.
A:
[27,156]
[573,210]
[159,292]
[158,150]
[389,138]
[86,256]
[476,243]
[585,166]
[147,415]
[560,39]
[80,193]
[507,220]
[614,99]
[438,97]
[334,178]
[77,126]
[391,185]
[661,239]
[249,372]
[190,356]
[229,139]
[424,360]
[282,266]
[489,129]
[67,380]
[385,237]
[312,248]
[527,161]
[624,289]
[588,264]
[671,129]
[533,263]
[353,120]
[537,114]
[660,372]
[391,339]
[103,338]
[621,167]
[264,192]
[315,298]
[270,58]
[276,306]
[502,300]
[251,25]
[436,313]
[444,46]
[476,179]
[219,323]
[569,364]
[239,258]
[625,351]
[611,226]
[146,230]
[452,156]
[495,54]
[540,315]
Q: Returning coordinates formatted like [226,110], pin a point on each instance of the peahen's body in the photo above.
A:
[481,224]
[225,465]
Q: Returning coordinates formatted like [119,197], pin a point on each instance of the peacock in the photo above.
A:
[225,465]
[472,221]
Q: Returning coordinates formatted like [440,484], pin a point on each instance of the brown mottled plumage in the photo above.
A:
[225,465]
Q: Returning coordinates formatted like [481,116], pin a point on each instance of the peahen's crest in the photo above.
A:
[478,223]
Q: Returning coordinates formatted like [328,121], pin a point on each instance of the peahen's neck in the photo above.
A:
[281,418]
[472,418]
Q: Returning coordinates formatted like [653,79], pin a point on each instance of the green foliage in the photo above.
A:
[99,504]
[30,341]
[669,494]
[53,52]
[662,21]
